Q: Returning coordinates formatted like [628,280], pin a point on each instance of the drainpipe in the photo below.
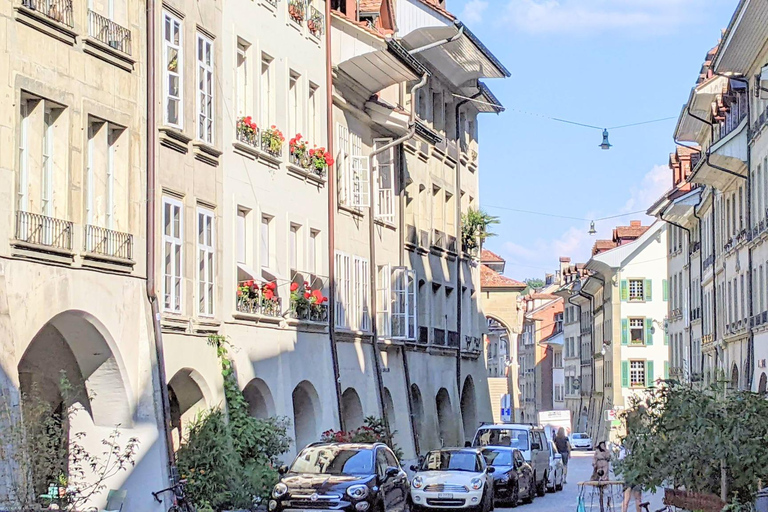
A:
[331,184]
[372,243]
[701,292]
[591,299]
[151,246]
[438,43]
[581,400]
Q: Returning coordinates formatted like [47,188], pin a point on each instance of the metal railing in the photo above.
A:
[38,229]
[57,10]
[109,32]
[453,339]
[411,235]
[296,11]
[252,138]
[111,243]
[438,337]
[423,335]
[423,239]
[260,305]
[315,21]
[266,145]
[273,3]
[438,239]
[313,313]
[450,244]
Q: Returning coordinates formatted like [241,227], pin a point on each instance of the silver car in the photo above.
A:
[556,473]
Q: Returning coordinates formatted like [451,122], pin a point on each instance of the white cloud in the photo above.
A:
[655,183]
[473,11]
[591,16]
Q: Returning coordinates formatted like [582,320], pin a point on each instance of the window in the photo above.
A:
[266,92]
[636,374]
[558,392]
[100,173]
[294,109]
[342,162]
[46,187]
[636,289]
[173,76]
[762,290]
[312,251]
[558,363]
[636,327]
[312,128]
[385,187]
[359,180]
[404,309]
[361,278]
[205,261]
[243,92]
[242,217]
[23,193]
[205,88]
[293,246]
[384,291]
[266,241]
[343,293]
[173,224]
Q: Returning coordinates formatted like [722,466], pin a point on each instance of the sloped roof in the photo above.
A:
[629,231]
[492,279]
[435,5]
[370,6]
[602,245]
[491,257]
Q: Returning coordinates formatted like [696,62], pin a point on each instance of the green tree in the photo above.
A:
[474,229]
[534,283]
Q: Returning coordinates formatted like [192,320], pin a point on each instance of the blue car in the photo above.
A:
[513,476]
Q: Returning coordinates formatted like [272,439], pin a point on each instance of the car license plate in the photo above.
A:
[445,495]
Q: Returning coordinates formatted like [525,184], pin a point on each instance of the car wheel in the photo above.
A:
[514,495]
[541,490]
[531,490]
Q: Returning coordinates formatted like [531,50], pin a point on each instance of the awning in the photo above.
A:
[731,151]
[246,273]
[464,60]
[377,70]
[699,104]
[493,106]
[744,38]
[680,210]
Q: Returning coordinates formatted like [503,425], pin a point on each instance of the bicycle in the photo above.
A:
[180,502]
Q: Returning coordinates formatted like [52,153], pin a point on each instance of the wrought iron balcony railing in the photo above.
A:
[109,32]
[296,10]
[259,305]
[438,337]
[438,239]
[411,236]
[315,21]
[423,335]
[313,313]
[107,242]
[38,229]
[57,10]
[453,339]
[249,137]
[450,244]
[424,239]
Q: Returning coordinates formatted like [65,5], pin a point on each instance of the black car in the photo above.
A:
[349,477]
[513,478]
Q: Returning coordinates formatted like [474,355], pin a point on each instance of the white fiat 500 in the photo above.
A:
[452,478]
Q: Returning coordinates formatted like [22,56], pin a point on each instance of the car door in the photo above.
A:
[524,474]
[400,482]
[387,488]
[542,455]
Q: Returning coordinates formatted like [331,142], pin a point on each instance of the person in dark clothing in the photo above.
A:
[563,446]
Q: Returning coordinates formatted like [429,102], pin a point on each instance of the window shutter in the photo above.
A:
[624,331]
[411,310]
[649,331]
[665,289]
[360,182]
[647,290]
[384,306]
[624,290]
[666,338]
[649,378]
[666,370]
[625,374]
[399,302]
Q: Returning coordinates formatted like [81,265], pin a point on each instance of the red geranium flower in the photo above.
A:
[294,287]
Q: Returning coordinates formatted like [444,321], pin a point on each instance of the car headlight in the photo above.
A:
[279,490]
[357,492]
[476,483]
[417,482]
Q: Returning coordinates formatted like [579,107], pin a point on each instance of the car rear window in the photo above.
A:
[514,438]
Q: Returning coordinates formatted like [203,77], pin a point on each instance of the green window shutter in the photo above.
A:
[625,374]
[649,379]
[624,331]
[648,290]
[649,331]
[624,290]
[665,289]
[666,338]
[666,370]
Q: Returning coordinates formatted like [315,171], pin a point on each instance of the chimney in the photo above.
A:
[635,223]
[565,262]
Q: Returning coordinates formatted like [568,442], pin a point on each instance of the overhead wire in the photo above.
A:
[585,125]
[554,215]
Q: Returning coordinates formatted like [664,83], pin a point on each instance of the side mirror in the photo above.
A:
[535,446]
[414,467]
[282,469]
[391,472]
[490,469]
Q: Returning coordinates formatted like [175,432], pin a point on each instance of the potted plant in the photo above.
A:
[247,130]
[272,141]
[300,305]
[270,302]
[296,11]
[320,160]
[298,151]
[474,229]
[247,295]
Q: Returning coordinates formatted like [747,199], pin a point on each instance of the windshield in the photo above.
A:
[441,460]
[332,460]
[579,436]
[497,457]
[514,438]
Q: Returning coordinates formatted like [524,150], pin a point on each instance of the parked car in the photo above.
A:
[556,469]
[581,441]
[512,476]
[529,439]
[452,478]
[349,477]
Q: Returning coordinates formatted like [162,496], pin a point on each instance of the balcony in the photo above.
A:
[709,261]
[312,313]
[59,11]
[423,239]
[411,236]
[438,337]
[453,339]
[272,142]
[450,244]
[108,32]
[107,242]
[253,300]
[296,11]
[694,247]
[315,22]
[423,335]
[36,229]
[248,136]
[304,162]
[438,239]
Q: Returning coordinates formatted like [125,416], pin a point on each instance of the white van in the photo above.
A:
[530,440]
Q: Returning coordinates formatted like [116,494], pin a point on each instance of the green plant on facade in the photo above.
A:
[373,431]
[228,457]
[475,229]
[712,441]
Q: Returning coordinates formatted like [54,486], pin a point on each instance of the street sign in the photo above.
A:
[506,408]
[610,415]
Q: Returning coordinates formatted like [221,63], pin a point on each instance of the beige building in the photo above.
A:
[73,291]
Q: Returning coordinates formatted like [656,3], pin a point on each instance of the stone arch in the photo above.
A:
[469,408]
[389,409]
[188,395]
[352,408]
[446,420]
[306,413]
[734,377]
[78,345]
[417,406]
[259,397]
[763,385]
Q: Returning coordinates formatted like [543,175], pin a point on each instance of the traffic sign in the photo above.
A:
[506,408]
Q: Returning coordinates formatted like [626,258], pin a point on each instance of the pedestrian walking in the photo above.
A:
[631,489]
[563,446]
[601,463]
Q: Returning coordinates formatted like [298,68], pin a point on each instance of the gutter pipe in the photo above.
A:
[438,43]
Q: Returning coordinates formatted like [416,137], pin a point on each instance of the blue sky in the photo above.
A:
[599,62]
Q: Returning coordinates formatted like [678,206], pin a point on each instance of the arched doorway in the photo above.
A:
[389,408]
[469,409]
[352,408]
[763,385]
[417,407]
[187,396]
[259,398]
[445,418]
[71,381]
[734,377]
[306,411]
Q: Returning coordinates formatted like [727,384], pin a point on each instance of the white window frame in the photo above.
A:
[112,136]
[205,88]
[384,166]
[241,235]
[266,89]
[241,84]
[634,368]
[179,73]
[265,240]
[359,180]
[294,103]
[404,304]
[314,238]
[361,298]
[312,130]
[206,261]
[23,192]
[294,244]
[342,273]
[342,163]
[639,298]
[173,302]
[46,182]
